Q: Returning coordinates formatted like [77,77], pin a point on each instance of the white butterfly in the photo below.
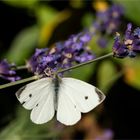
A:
[68,96]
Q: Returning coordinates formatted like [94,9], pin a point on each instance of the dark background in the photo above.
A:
[122,105]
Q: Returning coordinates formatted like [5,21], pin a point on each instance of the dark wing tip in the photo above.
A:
[18,93]
[100,94]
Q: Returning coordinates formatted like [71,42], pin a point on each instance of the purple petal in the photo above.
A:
[85,38]
[137,32]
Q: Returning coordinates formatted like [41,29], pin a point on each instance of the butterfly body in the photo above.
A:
[68,96]
[56,83]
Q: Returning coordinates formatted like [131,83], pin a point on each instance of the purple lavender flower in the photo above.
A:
[86,56]
[119,49]
[6,71]
[36,60]
[63,55]
[137,32]
[108,21]
[130,45]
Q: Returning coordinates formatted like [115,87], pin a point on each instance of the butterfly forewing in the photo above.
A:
[30,94]
[38,96]
[44,110]
[83,95]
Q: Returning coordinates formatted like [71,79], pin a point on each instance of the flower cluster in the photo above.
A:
[62,55]
[107,22]
[130,45]
[6,71]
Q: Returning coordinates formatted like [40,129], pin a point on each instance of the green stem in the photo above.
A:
[19,82]
[21,67]
[86,63]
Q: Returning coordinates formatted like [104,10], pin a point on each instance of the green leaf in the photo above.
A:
[99,50]
[106,75]
[87,20]
[77,3]
[23,45]
[49,19]
[21,3]
[132,10]
[45,14]
[22,128]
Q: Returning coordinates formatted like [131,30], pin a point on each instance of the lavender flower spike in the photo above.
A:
[6,72]
[62,55]
[119,49]
[130,45]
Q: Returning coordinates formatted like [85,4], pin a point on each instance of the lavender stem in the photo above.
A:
[86,63]
[19,82]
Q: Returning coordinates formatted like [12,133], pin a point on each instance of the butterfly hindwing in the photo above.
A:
[67,113]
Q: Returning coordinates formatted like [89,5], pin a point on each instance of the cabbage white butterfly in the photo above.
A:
[68,96]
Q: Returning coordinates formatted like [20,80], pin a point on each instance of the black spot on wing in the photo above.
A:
[30,95]
[86,97]
[18,93]
[100,94]
[23,102]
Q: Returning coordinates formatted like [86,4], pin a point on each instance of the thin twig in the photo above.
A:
[19,82]
[21,67]
[86,63]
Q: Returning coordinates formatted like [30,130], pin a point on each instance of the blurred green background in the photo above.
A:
[29,24]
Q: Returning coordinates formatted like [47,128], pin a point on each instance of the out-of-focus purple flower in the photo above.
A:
[129,46]
[62,55]
[85,38]
[116,11]
[137,32]
[6,71]
[102,42]
[108,21]
[107,135]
